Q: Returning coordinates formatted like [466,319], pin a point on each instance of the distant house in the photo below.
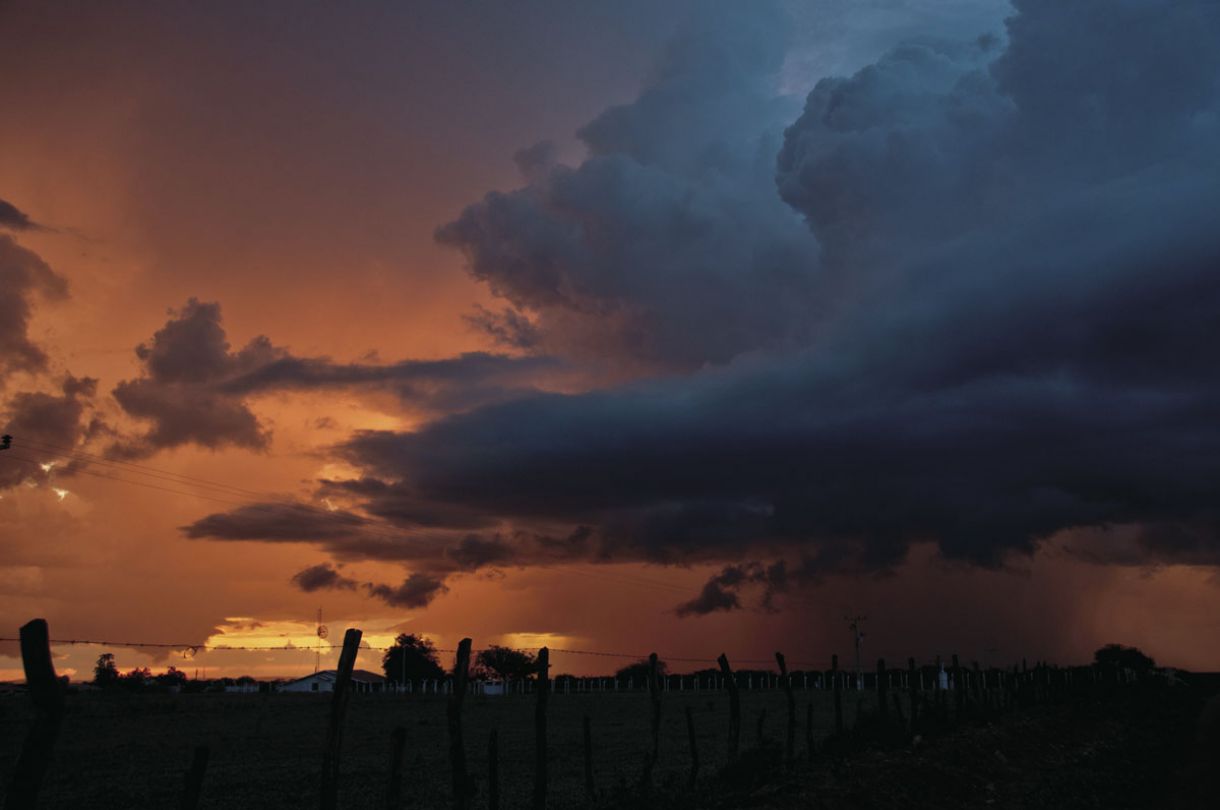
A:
[324,681]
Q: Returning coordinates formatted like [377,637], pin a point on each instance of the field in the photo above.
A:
[133,749]
[1131,747]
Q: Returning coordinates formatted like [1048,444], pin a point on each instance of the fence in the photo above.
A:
[901,701]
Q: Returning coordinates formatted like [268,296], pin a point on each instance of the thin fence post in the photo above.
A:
[493,770]
[694,746]
[589,790]
[913,693]
[959,693]
[654,700]
[393,788]
[193,784]
[838,687]
[453,714]
[730,681]
[790,738]
[540,775]
[809,728]
[329,799]
[883,686]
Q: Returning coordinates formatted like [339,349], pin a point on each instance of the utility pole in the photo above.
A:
[853,624]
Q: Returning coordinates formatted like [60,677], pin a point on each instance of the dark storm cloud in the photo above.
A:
[667,246]
[44,426]
[277,521]
[23,276]
[416,591]
[1005,323]
[194,389]
[321,577]
[14,218]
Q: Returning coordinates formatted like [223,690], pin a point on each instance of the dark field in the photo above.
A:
[126,750]
[1122,748]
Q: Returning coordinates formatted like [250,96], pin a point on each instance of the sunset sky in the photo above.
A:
[691,327]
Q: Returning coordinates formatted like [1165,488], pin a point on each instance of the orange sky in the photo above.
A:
[301,192]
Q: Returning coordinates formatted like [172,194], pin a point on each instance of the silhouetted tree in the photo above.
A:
[105,672]
[412,658]
[506,663]
[639,671]
[171,677]
[1126,657]
[137,678]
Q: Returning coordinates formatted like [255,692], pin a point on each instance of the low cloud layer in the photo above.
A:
[973,304]
[196,390]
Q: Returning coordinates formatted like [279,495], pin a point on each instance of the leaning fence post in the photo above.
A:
[194,778]
[694,746]
[730,681]
[838,687]
[393,788]
[453,713]
[790,739]
[47,694]
[544,682]
[338,707]
[493,770]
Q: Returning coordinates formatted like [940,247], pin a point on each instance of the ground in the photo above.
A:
[1135,749]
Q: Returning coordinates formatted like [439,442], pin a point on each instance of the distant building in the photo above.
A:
[324,681]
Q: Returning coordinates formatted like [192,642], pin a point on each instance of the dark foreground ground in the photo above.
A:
[1135,748]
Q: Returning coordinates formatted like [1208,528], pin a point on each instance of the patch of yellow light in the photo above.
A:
[60,493]
[244,631]
[532,641]
[47,466]
[338,471]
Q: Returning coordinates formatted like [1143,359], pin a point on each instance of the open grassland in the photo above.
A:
[127,750]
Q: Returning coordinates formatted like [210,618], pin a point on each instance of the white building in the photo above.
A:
[324,681]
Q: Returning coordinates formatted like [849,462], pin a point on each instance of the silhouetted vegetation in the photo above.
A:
[504,663]
[412,658]
[1117,655]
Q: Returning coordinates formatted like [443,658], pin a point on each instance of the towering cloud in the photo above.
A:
[995,324]
[667,246]
[23,276]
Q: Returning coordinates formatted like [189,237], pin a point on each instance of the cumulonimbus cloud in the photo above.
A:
[994,325]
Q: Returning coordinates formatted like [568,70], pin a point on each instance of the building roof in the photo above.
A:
[361,675]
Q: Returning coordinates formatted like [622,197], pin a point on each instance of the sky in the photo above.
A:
[687,327]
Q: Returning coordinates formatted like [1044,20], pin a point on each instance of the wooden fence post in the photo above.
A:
[453,714]
[838,687]
[959,693]
[883,687]
[338,708]
[790,739]
[694,746]
[730,681]
[654,700]
[589,791]
[194,778]
[47,694]
[913,693]
[544,684]
[493,770]
[809,729]
[393,788]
